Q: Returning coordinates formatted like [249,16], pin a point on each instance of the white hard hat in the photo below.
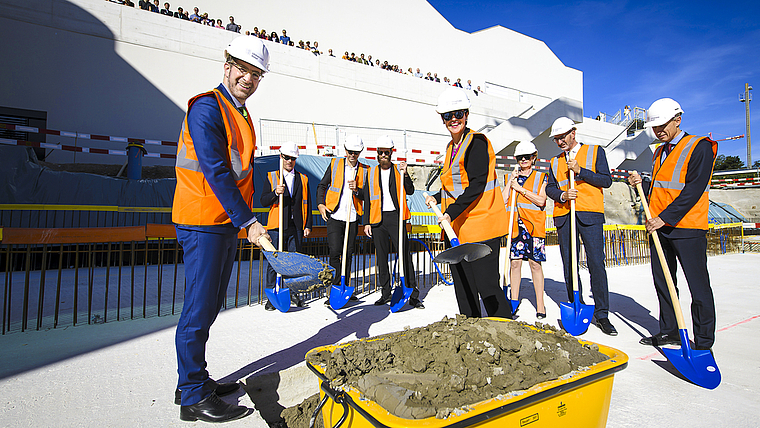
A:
[525,148]
[561,126]
[354,143]
[452,99]
[289,148]
[385,142]
[661,111]
[249,49]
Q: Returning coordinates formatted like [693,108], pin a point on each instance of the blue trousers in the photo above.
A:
[593,243]
[209,255]
[291,242]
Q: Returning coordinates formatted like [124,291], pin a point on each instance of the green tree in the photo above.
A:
[723,163]
[756,164]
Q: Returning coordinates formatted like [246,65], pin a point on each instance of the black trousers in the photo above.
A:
[692,255]
[336,230]
[478,280]
[385,236]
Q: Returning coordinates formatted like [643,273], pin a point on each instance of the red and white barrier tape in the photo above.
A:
[86,136]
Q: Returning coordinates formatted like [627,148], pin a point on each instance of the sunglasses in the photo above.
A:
[457,114]
[288,158]
[384,152]
[523,157]
[351,152]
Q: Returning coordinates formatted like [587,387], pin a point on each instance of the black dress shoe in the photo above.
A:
[296,300]
[605,325]
[212,409]
[354,298]
[661,339]
[383,300]
[416,304]
[540,315]
[221,389]
[269,306]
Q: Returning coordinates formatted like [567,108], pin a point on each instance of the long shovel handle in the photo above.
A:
[348,224]
[663,263]
[281,208]
[401,225]
[445,224]
[266,244]
[573,238]
[507,264]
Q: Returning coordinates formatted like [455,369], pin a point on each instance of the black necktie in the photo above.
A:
[668,147]
[243,111]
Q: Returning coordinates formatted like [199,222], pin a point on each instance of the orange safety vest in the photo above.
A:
[375,194]
[273,221]
[590,198]
[669,179]
[194,201]
[332,197]
[486,217]
[533,216]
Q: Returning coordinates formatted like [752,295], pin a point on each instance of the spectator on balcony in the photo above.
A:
[195,17]
[329,53]
[435,78]
[290,43]
[627,113]
[458,83]
[186,16]
[180,13]
[429,76]
[285,40]
[166,11]
[255,32]
[144,4]
[205,20]
[446,80]
[377,63]
[263,34]
[301,45]
[155,7]
[468,86]
[232,26]
[274,37]
[363,60]
[345,56]
[315,49]
[369,60]
[418,73]
[220,24]
[308,46]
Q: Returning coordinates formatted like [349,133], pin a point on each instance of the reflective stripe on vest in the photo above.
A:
[273,221]
[375,194]
[669,179]
[533,216]
[486,217]
[590,198]
[194,201]
[337,169]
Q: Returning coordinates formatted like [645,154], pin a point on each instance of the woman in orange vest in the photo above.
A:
[529,225]
[471,201]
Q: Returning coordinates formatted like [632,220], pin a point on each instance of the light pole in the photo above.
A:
[746,98]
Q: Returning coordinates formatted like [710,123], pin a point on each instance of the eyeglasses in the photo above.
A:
[288,158]
[457,114]
[351,152]
[523,157]
[384,152]
[562,137]
[255,75]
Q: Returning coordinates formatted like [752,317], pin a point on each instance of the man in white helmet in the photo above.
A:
[341,190]
[212,203]
[381,219]
[296,214]
[592,175]
[678,200]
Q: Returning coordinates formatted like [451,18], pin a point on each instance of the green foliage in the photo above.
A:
[725,163]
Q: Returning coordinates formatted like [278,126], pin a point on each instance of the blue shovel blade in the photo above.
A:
[514,303]
[340,294]
[696,365]
[575,316]
[278,296]
[400,295]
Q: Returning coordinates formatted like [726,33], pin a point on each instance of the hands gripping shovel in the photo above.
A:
[507,264]
[575,316]
[458,252]
[696,365]
[401,293]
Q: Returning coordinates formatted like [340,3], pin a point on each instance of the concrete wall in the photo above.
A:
[99,68]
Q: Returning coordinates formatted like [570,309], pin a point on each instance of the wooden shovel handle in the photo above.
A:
[573,237]
[663,263]
[445,224]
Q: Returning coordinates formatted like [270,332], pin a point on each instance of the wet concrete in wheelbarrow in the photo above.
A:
[441,368]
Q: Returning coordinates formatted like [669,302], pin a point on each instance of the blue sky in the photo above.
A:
[700,53]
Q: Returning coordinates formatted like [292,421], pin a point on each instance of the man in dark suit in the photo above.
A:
[592,175]
[381,219]
[296,214]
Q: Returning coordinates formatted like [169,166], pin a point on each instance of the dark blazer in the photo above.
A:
[408,187]
[601,178]
[291,204]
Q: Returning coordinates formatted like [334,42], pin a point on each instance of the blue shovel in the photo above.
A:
[575,316]
[469,251]
[278,296]
[507,263]
[401,293]
[698,366]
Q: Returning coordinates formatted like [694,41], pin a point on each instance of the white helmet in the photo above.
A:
[452,99]
[561,126]
[525,148]
[661,111]
[249,49]
[289,148]
[354,143]
[385,142]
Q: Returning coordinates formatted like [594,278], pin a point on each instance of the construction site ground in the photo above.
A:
[123,374]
